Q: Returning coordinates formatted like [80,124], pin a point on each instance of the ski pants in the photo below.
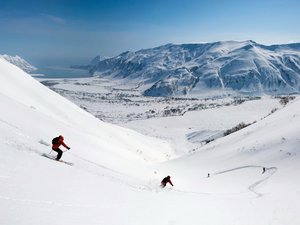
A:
[59,153]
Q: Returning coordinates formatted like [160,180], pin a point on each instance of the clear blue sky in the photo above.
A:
[46,32]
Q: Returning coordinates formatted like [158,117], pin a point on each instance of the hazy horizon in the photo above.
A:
[54,33]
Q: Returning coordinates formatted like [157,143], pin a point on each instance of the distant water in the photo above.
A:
[60,72]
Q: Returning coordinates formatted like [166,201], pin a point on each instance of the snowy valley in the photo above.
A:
[116,173]
[186,122]
[192,69]
[135,112]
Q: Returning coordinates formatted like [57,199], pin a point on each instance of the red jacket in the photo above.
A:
[60,142]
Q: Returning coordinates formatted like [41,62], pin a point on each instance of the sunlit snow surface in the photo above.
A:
[116,173]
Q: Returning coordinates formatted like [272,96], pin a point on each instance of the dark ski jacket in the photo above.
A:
[166,180]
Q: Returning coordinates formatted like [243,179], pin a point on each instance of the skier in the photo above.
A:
[56,142]
[264,170]
[165,181]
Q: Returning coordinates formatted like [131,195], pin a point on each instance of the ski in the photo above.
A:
[62,161]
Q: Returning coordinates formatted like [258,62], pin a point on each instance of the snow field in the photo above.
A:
[117,171]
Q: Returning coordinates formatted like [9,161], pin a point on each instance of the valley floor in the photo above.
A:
[187,123]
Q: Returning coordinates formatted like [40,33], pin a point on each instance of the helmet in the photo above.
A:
[61,137]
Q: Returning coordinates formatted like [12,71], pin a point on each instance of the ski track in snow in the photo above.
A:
[252,187]
[153,188]
[236,168]
[82,167]
[120,177]
[271,170]
[117,177]
[9,124]
[25,147]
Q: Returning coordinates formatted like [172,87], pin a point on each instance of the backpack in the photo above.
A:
[55,140]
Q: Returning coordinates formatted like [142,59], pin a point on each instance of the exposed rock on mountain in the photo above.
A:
[245,67]
[19,62]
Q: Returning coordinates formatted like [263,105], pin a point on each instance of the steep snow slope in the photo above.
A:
[111,184]
[235,164]
[48,114]
[271,142]
[196,68]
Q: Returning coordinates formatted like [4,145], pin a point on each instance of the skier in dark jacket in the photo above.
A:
[58,141]
[165,181]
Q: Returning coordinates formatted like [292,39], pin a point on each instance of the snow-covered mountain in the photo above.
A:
[176,69]
[94,62]
[97,59]
[19,62]
[116,171]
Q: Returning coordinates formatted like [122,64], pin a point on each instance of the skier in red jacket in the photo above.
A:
[56,142]
[165,181]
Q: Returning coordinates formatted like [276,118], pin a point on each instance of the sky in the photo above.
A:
[52,32]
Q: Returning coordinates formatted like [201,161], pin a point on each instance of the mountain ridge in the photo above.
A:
[19,62]
[180,69]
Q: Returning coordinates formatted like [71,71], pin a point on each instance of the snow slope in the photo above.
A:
[47,114]
[116,171]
